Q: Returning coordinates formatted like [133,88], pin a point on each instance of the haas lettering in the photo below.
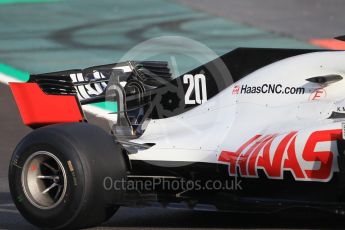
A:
[306,163]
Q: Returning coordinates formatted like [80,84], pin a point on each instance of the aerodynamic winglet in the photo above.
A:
[326,79]
[340,38]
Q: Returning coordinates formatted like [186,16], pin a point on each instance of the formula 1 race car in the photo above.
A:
[255,130]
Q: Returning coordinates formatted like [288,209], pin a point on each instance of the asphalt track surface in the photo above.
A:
[44,37]
[301,19]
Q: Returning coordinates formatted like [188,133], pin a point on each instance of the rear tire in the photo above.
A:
[57,175]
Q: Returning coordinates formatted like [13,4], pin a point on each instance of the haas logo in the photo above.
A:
[87,90]
[275,156]
[236,89]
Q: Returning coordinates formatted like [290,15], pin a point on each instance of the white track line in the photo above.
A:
[6,79]
[7,205]
[9,211]
[100,112]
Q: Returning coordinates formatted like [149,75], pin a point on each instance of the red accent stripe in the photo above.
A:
[39,109]
[332,44]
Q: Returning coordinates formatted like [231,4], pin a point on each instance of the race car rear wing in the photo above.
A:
[91,83]
[43,106]
[57,97]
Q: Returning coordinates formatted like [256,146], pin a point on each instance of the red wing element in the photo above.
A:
[39,109]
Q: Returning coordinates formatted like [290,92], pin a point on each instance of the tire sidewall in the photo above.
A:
[75,192]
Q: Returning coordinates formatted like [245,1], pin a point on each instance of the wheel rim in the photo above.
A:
[44,180]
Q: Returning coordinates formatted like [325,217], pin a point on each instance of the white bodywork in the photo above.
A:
[230,119]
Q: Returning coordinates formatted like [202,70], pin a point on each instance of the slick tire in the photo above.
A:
[57,174]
